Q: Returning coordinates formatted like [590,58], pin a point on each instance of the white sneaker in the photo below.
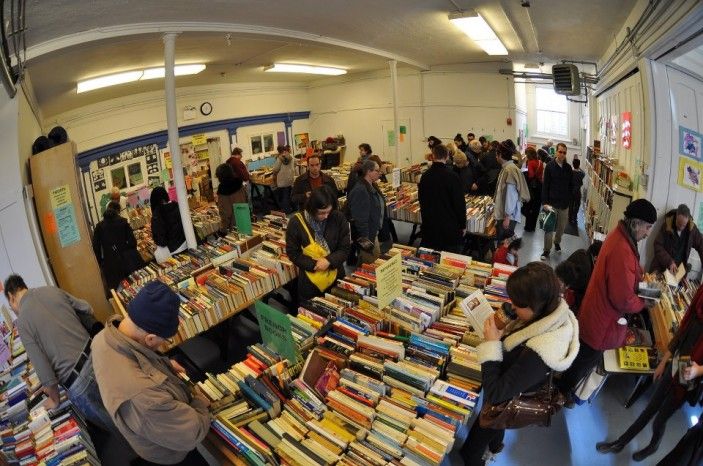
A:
[544,256]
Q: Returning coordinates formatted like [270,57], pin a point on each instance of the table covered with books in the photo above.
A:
[366,385]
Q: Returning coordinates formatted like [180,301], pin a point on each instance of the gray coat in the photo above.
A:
[366,207]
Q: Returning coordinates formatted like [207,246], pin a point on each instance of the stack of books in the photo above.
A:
[413,173]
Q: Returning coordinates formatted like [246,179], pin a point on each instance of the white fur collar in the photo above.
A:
[554,338]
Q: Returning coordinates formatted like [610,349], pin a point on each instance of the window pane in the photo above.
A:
[547,99]
[135,174]
[552,122]
[268,142]
[256,145]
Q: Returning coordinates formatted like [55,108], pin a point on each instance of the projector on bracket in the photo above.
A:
[566,79]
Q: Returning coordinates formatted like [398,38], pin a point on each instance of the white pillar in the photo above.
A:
[174,146]
[396,125]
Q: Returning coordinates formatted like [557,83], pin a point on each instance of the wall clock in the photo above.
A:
[206,108]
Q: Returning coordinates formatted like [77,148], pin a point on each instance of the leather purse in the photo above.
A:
[526,409]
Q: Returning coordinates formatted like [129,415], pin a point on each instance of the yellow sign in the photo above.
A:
[199,140]
[389,281]
[60,196]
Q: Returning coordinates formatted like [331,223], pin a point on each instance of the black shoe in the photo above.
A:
[609,447]
[645,452]
[557,247]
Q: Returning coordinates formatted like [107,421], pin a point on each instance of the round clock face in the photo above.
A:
[206,108]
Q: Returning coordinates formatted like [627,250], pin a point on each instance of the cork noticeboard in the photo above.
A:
[67,237]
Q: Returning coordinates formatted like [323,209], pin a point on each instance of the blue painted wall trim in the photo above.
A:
[161,137]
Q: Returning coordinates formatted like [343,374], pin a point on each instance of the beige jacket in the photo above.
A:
[150,405]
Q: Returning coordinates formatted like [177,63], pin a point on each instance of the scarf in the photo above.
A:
[318,229]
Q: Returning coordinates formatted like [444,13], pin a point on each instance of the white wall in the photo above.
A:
[438,103]
[118,119]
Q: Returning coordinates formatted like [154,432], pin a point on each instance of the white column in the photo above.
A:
[396,125]
[174,146]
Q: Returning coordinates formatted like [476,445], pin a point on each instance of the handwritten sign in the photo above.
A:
[60,196]
[395,180]
[389,281]
[67,226]
[199,139]
[276,332]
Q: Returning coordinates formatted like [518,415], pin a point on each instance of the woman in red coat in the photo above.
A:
[673,388]
[611,292]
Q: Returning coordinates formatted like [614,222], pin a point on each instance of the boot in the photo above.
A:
[645,452]
[610,447]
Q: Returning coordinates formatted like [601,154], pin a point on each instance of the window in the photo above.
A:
[552,112]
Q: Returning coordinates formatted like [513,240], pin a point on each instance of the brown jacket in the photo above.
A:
[665,242]
[150,405]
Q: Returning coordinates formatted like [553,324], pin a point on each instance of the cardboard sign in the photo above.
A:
[389,281]
[276,332]
[395,180]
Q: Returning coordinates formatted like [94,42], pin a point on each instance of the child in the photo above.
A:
[507,252]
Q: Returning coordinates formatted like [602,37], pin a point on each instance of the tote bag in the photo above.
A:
[322,279]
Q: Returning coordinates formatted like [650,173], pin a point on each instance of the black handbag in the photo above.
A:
[526,409]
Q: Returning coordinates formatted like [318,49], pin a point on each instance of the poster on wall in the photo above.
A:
[689,174]
[302,140]
[690,143]
[626,130]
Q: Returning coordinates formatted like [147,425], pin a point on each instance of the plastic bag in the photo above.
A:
[162,254]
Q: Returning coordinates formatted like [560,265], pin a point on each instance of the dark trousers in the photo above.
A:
[586,359]
[574,206]
[665,401]
[193,458]
[689,450]
[502,233]
[531,210]
[477,441]
[283,198]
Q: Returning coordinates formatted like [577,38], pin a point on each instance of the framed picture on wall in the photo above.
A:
[119,180]
[256,145]
[134,170]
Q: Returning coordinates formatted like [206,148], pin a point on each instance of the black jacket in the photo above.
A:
[337,237]
[301,186]
[366,207]
[115,248]
[491,168]
[166,226]
[442,207]
[521,371]
[558,185]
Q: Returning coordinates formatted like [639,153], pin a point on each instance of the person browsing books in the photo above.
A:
[367,210]
[519,358]
[158,414]
[678,379]
[312,179]
[323,224]
[55,329]
[672,246]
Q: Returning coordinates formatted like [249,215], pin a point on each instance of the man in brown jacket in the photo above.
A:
[673,244]
[151,406]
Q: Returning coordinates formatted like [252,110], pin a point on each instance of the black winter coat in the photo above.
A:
[491,168]
[166,226]
[115,248]
[558,185]
[442,207]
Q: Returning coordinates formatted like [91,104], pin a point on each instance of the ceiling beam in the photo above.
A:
[180,27]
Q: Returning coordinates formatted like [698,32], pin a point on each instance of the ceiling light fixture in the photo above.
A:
[474,26]
[136,75]
[310,69]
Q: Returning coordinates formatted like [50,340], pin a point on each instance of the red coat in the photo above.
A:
[611,292]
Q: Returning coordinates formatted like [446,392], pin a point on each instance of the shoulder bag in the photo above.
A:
[322,279]
[526,409]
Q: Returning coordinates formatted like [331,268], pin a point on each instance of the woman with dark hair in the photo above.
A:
[230,191]
[166,226]
[115,247]
[322,224]
[367,211]
[520,358]
[460,143]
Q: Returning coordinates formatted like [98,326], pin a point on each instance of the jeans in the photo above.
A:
[574,207]
[85,396]
[555,236]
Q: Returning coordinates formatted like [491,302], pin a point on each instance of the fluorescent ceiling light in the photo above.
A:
[109,80]
[136,75]
[474,26]
[311,69]
[179,70]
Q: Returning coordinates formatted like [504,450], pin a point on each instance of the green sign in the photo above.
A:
[242,217]
[275,331]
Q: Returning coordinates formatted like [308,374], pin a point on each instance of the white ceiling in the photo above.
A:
[69,40]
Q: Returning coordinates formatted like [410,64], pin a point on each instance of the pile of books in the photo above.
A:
[479,215]
[206,220]
[413,173]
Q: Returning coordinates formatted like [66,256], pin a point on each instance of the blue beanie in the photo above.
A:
[155,309]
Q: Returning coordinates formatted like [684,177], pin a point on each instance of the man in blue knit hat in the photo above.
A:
[151,406]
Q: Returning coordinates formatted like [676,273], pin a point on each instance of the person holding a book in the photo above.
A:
[557,190]
[56,330]
[678,379]
[672,246]
[520,357]
[611,292]
[324,228]
[155,410]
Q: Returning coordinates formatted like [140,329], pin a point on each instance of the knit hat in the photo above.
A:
[155,309]
[641,209]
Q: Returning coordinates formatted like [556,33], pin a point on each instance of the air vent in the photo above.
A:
[566,79]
